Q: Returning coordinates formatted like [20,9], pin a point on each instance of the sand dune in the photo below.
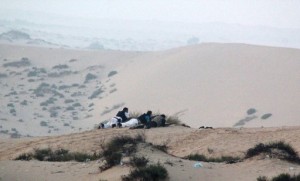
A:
[181,142]
[219,85]
[216,84]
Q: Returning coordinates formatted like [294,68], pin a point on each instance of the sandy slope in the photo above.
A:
[208,84]
[215,84]
[181,142]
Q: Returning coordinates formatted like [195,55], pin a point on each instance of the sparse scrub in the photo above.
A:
[63,66]
[22,63]
[173,120]
[43,123]
[25,157]
[281,177]
[3,75]
[89,77]
[60,155]
[138,161]
[266,116]
[278,149]
[112,152]
[96,93]
[152,173]
[199,157]
[112,73]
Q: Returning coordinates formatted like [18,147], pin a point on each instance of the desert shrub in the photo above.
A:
[10,105]
[25,156]
[69,101]
[40,154]
[251,111]
[70,108]
[63,66]
[89,77]
[22,63]
[43,123]
[60,155]
[112,73]
[112,152]
[96,93]
[77,104]
[286,177]
[138,161]
[198,157]
[286,151]
[266,116]
[24,102]
[152,173]
[3,75]
[262,178]
[280,177]
[173,120]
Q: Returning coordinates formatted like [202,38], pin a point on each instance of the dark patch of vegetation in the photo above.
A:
[113,151]
[173,120]
[60,155]
[152,173]
[227,159]
[266,116]
[10,105]
[73,60]
[113,90]
[281,177]
[36,72]
[3,75]
[62,87]
[43,123]
[69,101]
[13,112]
[22,63]
[278,149]
[15,135]
[77,104]
[251,111]
[89,77]
[138,161]
[70,108]
[112,73]
[24,103]
[60,74]
[96,93]
[63,66]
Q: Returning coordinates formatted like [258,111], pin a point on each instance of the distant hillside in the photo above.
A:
[19,37]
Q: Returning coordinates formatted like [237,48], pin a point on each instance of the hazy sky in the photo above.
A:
[276,13]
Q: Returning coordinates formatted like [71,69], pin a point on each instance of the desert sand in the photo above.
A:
[181,141]
[221,85]
[53,98]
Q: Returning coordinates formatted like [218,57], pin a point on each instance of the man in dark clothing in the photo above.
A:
[146,118]
[123,115]
[158,121]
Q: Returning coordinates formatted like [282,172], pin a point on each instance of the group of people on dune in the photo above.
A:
[146,120]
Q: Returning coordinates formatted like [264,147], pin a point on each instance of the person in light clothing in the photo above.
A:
[122,116]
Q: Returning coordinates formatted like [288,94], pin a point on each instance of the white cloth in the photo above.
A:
[112,121]
[131,123]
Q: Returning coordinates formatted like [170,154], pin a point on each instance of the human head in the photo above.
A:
[149,113]
[164,116]
[125,109]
